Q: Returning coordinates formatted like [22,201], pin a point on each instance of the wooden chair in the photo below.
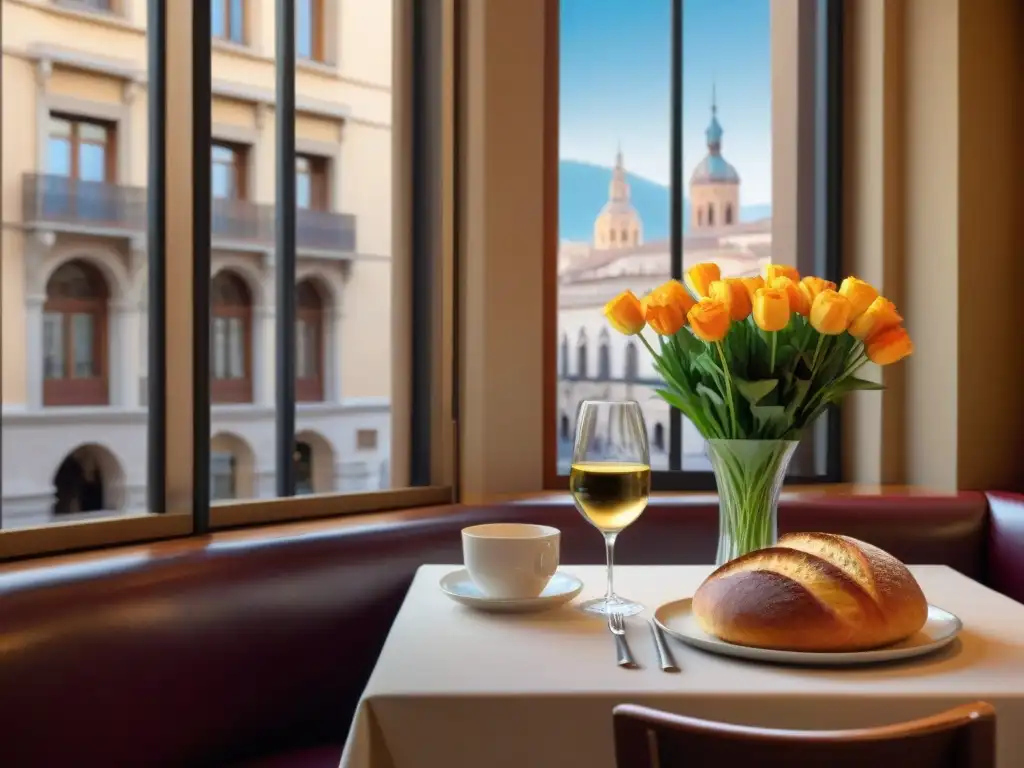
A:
[963,737]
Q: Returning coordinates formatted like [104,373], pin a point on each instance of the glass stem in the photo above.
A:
[609,550]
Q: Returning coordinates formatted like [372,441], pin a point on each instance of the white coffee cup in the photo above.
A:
[511,560]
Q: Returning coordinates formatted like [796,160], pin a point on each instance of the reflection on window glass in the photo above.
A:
[304,28]
[222,476]
[236,348]
[220,348]
[53,345]
[237,33]
[58,156]
[92,162]
[303,468]
[82,335]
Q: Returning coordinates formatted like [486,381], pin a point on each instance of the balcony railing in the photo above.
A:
[60,202]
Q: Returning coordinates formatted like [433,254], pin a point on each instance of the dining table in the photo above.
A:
[455,686]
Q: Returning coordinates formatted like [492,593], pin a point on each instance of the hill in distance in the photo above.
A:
[583,189]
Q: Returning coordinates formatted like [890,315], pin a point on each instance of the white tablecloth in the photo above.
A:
[455,687]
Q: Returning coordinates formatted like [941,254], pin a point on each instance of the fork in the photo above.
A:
[617,624]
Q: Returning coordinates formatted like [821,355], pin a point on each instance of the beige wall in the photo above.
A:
[934,211]
[346,101]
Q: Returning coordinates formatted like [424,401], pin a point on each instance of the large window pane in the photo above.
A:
[342,359]
[615,177]
[74,268]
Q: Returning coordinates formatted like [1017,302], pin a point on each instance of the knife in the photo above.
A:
[668,664]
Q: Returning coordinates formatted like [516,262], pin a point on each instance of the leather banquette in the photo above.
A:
[252,647]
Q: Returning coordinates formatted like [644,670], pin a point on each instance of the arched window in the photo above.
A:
[563,427]
[632,362]
[700,216]
[231,342]
[611,235]
[75,336]
[309,343]
[564,357]
[303,458]
[711,215]
[89,479]
[604,358]
[581,356]
[728,213]
[223,476]
[658,441]
[625,237]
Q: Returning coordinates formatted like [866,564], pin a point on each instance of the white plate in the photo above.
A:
[940,629]
[562,588]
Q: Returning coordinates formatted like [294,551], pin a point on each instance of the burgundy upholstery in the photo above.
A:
[255,646]
[1005,549]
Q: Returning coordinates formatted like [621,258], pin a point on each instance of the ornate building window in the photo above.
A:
[303,469]
[728,213]
[700,216]
[309,343]
[604,362]
[222,476]
[564,356]
[658,439]
[309,29]
[632,361]
[231,342]
[228,20]
[711,215]
[75,336]
[581,356]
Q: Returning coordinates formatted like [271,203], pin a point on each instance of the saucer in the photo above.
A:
[562,588]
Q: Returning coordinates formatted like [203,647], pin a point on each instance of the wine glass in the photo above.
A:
[610,480]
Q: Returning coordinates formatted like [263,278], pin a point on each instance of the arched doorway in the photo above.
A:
[232,468]
[75,336]
[309,342]
[89,479]
[231,340]
[314,463]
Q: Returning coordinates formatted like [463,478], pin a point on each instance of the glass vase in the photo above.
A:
[749,475]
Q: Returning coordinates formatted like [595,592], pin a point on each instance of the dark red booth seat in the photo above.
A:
[252,647]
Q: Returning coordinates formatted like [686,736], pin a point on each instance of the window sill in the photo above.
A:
[313,66]
[238,49]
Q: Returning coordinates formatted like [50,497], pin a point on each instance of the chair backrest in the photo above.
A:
[963,737]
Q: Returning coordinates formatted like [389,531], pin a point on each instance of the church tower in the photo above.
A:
[618,224]
[714,185]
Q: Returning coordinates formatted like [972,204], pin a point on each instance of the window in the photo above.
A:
[604,361]
[311,183]
[230,350]
[254,392]
[632,362]
[227,20]
[80,149]
[227,172]
[309,342]
[563,356]
[721,166]
[309,29]
[581,356]
[75,336]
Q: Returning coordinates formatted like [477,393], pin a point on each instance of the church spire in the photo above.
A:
[618,190]
[714,130]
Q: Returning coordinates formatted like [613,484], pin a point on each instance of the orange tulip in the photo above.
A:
[781,270]
[889,346]
[879,316]
[812,286]
[734,294]
[666,306]
[709,319]
[752,284]
[771,309]
[797,299]
[830,313]
[699,277]
[625,314]
[859,293]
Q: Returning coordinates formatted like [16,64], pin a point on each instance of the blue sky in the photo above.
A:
[615,69]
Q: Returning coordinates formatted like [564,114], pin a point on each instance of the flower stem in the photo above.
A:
[775,337]
[728,388]
[648,345]
[817,352]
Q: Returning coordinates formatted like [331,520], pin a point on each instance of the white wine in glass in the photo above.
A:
[610,481]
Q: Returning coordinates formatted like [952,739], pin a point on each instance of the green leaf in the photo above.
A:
[755,391]
[852,384]
[770,421]
[710,394]
[798,392]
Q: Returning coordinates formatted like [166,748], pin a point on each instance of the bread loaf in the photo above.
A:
[812,592]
